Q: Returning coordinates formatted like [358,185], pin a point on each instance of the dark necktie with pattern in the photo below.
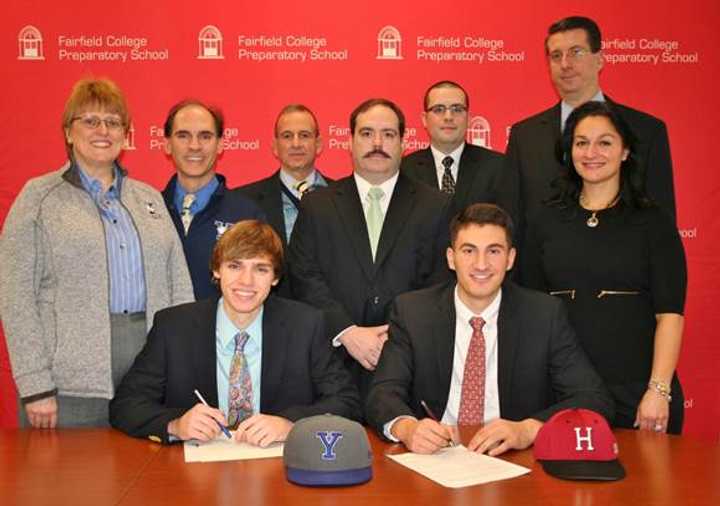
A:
[302,188]
[448,182]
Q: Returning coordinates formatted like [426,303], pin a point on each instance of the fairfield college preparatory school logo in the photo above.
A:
[478,133]
[30,44]
[129,144]
[210,44]
[389,44]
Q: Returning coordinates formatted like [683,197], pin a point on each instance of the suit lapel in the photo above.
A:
[508,341]
[204,352]
[444,347]
[401,205]
[274,352]
[276,217]
[551,120]
[467,172]
[426,171]
[349,208]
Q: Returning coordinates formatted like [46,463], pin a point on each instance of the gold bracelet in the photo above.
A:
[661,388]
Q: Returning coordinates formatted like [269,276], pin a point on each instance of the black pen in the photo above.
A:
[433,417]
[222,427]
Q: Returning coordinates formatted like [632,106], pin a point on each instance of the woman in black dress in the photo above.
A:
[618,261]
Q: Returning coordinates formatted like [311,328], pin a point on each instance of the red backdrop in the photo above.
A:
[252,59]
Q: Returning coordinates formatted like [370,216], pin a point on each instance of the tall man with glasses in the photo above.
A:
[368,238]
[575,59]
[200,204]
[467,172]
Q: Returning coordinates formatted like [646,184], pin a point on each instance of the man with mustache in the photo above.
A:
[201,206]
[368,238]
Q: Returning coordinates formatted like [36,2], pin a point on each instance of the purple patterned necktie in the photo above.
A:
[240,404]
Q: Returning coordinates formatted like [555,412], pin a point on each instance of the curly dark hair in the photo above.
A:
[569,183]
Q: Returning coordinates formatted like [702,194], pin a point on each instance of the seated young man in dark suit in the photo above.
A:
[479,350]
[263,360]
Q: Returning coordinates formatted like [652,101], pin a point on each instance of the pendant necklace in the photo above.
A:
[593,221]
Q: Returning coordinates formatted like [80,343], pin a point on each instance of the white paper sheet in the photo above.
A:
[456,467]
[221,448]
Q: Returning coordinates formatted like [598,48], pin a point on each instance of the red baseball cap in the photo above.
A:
[577,444]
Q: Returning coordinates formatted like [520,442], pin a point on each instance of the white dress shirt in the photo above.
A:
[463,333]
[387,187]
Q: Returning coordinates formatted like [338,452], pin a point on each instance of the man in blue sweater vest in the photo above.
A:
[200,204]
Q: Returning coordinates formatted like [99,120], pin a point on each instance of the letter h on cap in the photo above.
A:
[587,438]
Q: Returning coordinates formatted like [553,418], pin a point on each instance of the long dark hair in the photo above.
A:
[569,183]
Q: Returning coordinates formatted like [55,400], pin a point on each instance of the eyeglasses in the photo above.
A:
[441,109]
[573,54]
[93,122]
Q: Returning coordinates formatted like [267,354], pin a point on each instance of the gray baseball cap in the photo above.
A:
[327,450]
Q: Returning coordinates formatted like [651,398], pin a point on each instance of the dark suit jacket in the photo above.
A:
[267,194]
[541,367]
[478,174]
[300,375]
[532,163]
[331,266]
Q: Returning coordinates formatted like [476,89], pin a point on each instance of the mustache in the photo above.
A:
[377,151]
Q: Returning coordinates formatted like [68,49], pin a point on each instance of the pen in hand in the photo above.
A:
[435,418]
[222,427]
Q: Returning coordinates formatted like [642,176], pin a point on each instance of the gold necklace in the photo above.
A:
[593,221]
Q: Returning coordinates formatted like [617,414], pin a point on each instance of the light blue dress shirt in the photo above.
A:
[566,109]
[202,196]
[125,264]
[290,210]
[225,331]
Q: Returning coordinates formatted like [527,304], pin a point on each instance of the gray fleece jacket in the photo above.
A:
[55,286]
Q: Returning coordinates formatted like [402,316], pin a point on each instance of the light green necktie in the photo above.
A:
[374,217]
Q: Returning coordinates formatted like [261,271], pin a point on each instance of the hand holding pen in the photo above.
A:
[222,427]
[432,416]
[201,423]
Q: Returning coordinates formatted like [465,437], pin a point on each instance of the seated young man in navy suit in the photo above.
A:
[264,361]
[480,351]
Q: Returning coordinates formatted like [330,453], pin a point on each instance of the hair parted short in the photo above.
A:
[375,102]
[249,239]
[444,84]
[94,93]
[482,214]
[291,108]
[592,30]
[215,112]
